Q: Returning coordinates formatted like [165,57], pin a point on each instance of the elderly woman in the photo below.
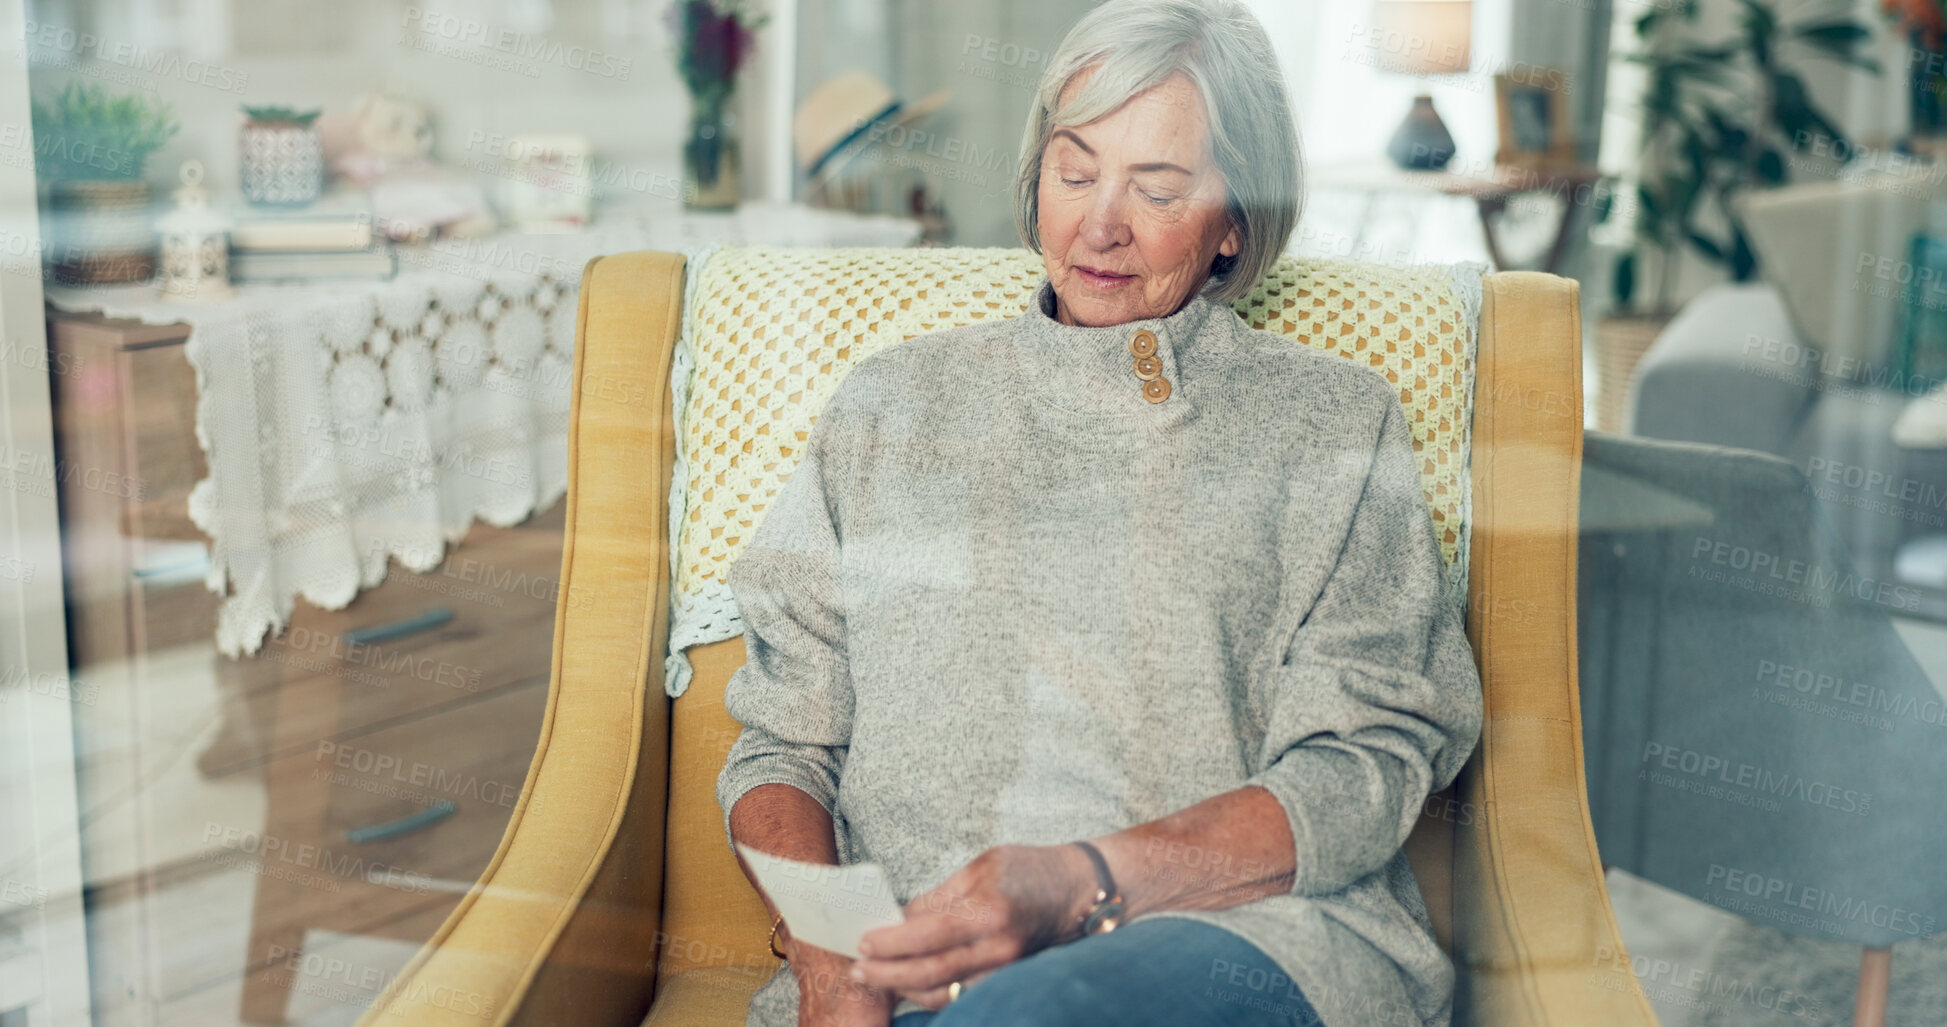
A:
[1114,613]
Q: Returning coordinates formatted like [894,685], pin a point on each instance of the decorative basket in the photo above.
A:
[1620,342]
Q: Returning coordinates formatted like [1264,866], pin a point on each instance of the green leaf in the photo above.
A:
[1699,153]
[1771,167]
[281,115]
[1829,33]
[1604,206]
[1760,21]
[1839,41]
[1624,285]
[1711,55]
[1801,121]
[1647,200]
[1682,194]
[1730,137]
[1707,247]
[1744,262]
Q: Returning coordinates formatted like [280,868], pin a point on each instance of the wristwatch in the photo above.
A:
[1106,913]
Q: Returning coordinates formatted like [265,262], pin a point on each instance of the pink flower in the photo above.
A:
[712,43]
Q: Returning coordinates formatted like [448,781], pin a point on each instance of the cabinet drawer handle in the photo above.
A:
[404,825]
[380,632]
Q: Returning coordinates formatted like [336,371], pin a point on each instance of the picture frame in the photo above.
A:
[1536,122]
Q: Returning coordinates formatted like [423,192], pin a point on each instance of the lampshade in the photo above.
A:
[1422,37]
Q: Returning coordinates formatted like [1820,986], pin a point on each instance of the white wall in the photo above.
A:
[1348,108]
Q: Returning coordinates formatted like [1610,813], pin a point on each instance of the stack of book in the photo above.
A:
[331,238]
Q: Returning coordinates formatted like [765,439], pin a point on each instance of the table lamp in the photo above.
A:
[1422,37]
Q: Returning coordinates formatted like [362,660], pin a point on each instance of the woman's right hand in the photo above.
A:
[828,997]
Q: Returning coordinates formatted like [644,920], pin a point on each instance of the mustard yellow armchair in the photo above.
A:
[614,898]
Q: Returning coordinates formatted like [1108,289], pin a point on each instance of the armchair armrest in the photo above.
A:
[1535,940]
[1730,370]
[559,927]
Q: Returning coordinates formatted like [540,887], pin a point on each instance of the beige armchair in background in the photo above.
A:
[613,895]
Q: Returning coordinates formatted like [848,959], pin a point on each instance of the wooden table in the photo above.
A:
[1490,190]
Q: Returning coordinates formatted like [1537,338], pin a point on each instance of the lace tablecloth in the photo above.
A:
[348,422]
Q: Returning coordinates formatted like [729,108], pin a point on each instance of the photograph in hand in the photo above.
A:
[827,906]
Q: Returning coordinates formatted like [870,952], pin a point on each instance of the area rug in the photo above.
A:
[1760,977]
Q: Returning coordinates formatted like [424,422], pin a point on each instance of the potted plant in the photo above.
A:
[1720,117]
[91,148]
[280,157]
[713,39]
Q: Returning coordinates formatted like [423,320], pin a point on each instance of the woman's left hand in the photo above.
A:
[1010,902]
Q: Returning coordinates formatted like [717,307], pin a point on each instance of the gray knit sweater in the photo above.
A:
[1005,598]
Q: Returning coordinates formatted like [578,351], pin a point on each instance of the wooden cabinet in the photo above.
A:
[393,736]
[126,457]
[415,644]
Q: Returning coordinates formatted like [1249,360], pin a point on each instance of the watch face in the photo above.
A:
[1103,918]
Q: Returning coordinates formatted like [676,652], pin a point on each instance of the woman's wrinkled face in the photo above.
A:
[1132,208]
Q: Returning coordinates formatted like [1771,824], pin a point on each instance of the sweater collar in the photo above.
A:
[1093,371]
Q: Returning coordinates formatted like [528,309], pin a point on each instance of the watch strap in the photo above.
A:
[1103,879]
[1105,913]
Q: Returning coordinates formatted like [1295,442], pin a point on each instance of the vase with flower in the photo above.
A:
[713,40]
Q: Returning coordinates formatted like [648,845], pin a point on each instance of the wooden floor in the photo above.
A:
[198,976]
[189,921]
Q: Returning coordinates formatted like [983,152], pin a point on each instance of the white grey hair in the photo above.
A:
[1222,48]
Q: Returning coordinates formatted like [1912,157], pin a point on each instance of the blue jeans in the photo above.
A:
[1163,972]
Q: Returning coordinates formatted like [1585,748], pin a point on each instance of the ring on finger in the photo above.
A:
[953,991]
